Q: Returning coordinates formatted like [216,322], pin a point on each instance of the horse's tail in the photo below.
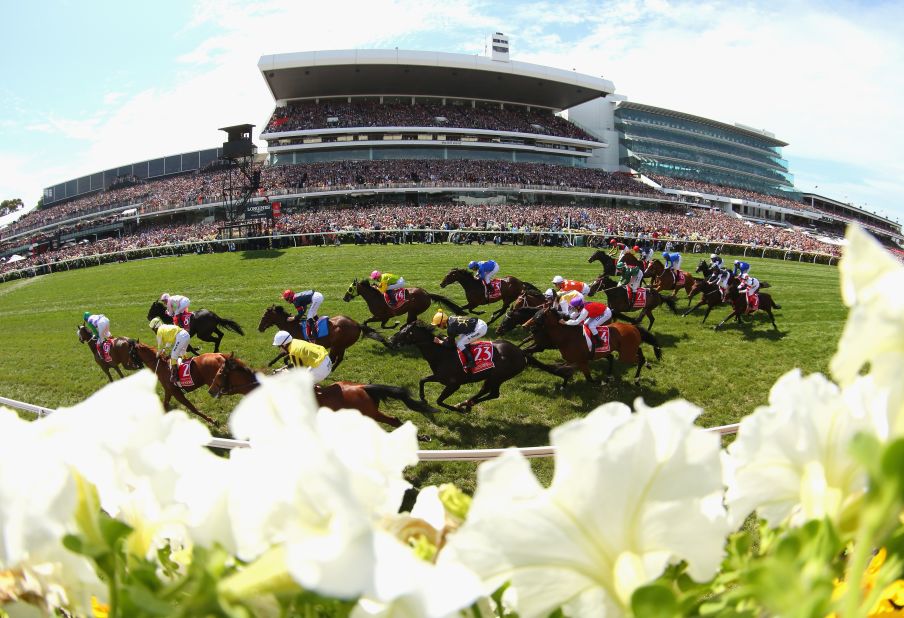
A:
[379,392]
[230,325]
[670,302]
[439,298]
[562,371]
[367,331]
[650,339]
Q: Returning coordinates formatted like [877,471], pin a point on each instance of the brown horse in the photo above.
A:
[608,261]
[664,278]
[417,301]
[119,352]
[446,368]
[365,398]
[204,371]
[617,299]
[205,325]
[623,338]
[520,311]
[510,288]
[740,307]
[343,331]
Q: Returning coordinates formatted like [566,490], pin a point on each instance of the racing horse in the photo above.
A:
[203,371]
[617,299]
[342,334]
[664,278]
[520,311]
[119,352]
[446,367]
[740,307]
[608,261]
[510,288]
[204,324]
[365,398]
[623,338]
[417,301]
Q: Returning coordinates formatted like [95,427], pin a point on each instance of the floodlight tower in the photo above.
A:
[241,180]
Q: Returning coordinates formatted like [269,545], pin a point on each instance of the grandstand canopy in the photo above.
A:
[419,73]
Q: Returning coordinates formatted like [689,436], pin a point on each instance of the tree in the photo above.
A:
[8,206]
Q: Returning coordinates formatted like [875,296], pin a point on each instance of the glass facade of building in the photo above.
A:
[670,145]
[448,152]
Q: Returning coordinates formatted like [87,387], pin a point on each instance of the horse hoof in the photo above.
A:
[648,366]
[636,381]
[423,438]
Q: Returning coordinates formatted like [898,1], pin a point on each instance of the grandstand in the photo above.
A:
[394,131]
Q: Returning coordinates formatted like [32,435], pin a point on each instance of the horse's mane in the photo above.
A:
[530,287]
[277,309]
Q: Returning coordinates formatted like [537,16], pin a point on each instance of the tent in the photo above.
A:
[14,258]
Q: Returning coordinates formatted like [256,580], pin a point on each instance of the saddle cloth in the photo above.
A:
[679,281]
[640,298]
[495,289]
[603,332]
[401,295]
[103,350]
[753,302]
[482,351]
[183,320]
[185,380]
[321,329]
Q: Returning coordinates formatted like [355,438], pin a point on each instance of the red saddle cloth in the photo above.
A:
[680,279]
[753,302]
[482,351]
[103,350]
[185,380]
[603,332]
[401,295]
[640,298]
[183,320]
[495,289]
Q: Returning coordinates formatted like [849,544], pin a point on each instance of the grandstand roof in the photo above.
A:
[762,135]
[422,73]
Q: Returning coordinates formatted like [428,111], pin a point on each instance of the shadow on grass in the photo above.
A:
[261,254]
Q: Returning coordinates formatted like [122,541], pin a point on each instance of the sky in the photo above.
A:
[85,86]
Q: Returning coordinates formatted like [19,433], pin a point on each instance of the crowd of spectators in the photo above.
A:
[686,184]
[339,113]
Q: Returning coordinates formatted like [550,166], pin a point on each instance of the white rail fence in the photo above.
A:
[423,455]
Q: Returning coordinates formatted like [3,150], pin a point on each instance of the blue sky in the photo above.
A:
[91,85]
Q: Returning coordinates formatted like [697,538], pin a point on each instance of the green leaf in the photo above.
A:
[654,601]
[893,466]
[113,530]
[146,601]
[866,449]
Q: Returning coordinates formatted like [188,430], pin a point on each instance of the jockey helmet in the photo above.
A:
[375,274]
[440,319]
[557,280]
[612,242]
[549,293]
[635,248]
[288,295]
[86,315]
[665,254]
[164,297]
[576,302]
[473,265]
[620,265]
[155,323]
[713,256]
[737,262]
[282,338]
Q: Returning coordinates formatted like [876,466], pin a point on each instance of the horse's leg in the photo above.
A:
[216,342]
[107,371]
[706,315]
[584,366]
[499,313]
[181,398]
[611,360]
[730,315]
[430,378]
[340,354]
[447,392]
[649,314]
[489,390]
[771,317]
[118,370]
[694,308]
[641,361]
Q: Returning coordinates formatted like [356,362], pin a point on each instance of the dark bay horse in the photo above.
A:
[119,352]
[343,331]
[623,338]
[204,324]
[617,299]
[510,288]
[365,398]
[608,261]
[446,368]
[204,371]
[417,301]
[712,293]
[664,278]
[738,302]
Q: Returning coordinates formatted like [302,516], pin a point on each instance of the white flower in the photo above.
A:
[790,461]
[631,493]
[872,285]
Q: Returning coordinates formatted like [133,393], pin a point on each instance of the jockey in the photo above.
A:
[646,254]
[386,282]
[462,331]
[750,285]
[740,268]
[672,261]
[315,358]
[720,276]
[631,276]
[99,325]
[565,301]
[625,249]
[549,295]
[569,285]
[715,261]
[307,302]
[170,335]
[175,305]
[486,270]
[591,314]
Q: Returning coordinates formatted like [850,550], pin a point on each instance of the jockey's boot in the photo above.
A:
[99,346]
[469,358]
[390,298]
[486,290]
[106,348]
[596,342]
[174,374]
[630,294]
[311,323]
